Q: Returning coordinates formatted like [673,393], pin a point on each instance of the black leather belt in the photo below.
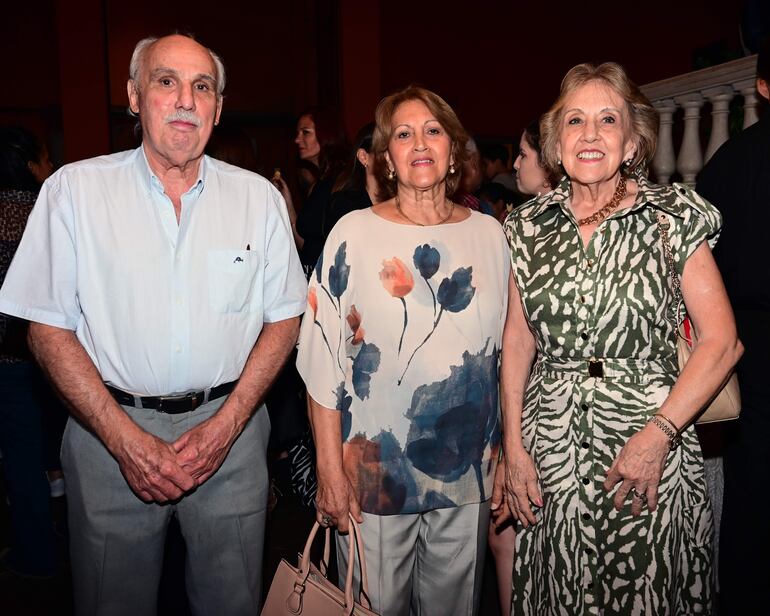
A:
[596,368]
[173,405]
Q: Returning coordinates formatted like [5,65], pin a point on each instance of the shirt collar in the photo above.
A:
[153,182]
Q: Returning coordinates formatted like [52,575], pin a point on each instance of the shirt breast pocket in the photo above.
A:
[233,276]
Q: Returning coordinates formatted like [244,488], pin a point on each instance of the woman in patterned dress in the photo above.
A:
[615,515]
[399,350]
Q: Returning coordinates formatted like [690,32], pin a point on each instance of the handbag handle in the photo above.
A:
[356,543]
[676,283]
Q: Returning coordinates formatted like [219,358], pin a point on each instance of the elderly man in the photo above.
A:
[163,289]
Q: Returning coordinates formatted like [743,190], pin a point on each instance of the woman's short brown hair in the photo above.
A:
[643,116]
[441,110]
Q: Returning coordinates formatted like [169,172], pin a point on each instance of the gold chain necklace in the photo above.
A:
[599,215]
[419,224]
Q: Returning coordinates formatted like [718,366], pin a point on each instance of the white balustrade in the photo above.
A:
[720,98]
[690,159]
[664,163]
[748,88]
[717,85]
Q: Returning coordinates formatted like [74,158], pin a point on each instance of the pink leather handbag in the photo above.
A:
[307,591]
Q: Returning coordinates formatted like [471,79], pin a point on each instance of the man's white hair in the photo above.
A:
[137,63]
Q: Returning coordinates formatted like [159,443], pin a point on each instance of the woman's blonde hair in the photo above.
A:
[445,115]
[642,115]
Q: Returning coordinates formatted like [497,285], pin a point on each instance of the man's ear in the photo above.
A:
[133,96]
[219,110]
[763,88]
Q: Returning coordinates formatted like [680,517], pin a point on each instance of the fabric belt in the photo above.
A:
[174,404]
[625,369]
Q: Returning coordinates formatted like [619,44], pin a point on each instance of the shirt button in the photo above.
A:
[178,301]
[589,551]
[584,336]
[586,516]
[590,262]
[590,584]
[585,445]
[584,407]
[582,299]
[586,481]
[178,349]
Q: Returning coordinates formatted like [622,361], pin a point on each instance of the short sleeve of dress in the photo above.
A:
[702,222]
[318,351]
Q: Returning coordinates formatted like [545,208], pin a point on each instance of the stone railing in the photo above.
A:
[717,86]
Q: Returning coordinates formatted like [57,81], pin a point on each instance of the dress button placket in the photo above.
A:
[586,490]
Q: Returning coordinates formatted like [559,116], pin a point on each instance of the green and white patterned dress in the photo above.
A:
[607,301]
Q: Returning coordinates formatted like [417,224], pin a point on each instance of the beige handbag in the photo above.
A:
[726,403]
[307,591]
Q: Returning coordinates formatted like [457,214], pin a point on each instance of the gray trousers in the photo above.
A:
[423,564]
[117,540]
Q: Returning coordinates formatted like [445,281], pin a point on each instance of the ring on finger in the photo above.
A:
[640,495]
[326,519]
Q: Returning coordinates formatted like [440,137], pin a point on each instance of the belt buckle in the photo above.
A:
[596,368]
[169,402]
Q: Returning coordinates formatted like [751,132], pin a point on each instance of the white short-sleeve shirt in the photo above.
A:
[160,307]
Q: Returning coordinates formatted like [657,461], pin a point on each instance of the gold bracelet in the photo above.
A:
[674,438]
[673,425]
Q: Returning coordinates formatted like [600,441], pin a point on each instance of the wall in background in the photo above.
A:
[498,64]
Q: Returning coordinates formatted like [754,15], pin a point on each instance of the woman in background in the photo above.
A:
[357,187]
[532,178]
[320,140]
[24,395]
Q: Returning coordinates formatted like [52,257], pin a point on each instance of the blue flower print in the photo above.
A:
[364,365]
[319,267]
[456,293]
[454,420]
[344,400]
[382,472]
[339,272]
[427,260]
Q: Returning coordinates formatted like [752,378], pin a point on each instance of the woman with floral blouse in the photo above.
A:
[399,351]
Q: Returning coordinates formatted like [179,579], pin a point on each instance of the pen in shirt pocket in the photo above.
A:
[248,246]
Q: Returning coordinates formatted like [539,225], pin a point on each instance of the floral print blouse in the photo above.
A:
[402,336]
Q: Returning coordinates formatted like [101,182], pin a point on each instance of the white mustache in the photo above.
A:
[182,115]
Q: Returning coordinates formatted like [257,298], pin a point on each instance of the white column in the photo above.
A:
[690,160]
[664,162]
[748,88]
[720,98]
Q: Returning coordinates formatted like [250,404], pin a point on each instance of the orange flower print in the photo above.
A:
[312,300]
[354,321]
[396,277]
